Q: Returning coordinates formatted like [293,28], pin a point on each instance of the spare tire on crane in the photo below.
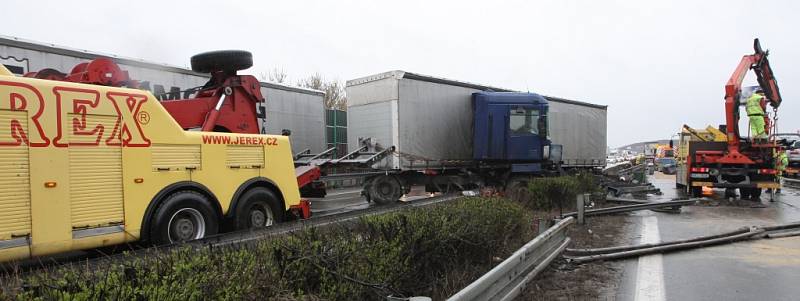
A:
[222,60]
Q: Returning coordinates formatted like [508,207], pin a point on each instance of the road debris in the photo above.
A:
[626,178]
[748,233]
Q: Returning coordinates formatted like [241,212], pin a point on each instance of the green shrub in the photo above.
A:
[587,183]
[557,192]
[401,254]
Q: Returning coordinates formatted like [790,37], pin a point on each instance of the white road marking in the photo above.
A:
[650,271]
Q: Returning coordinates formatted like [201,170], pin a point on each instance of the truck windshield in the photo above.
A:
[526,121]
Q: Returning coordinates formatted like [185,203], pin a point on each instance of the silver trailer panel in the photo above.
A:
[297,109]
[435,121]
[429,120]
[581,130]
[301,112]
[375,121]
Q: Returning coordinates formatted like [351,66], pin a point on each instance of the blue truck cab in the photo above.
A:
[511,127]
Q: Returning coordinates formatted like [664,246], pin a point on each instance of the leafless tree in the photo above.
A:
[335,97]
[275,75]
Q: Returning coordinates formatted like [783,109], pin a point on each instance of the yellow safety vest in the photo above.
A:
[783,161]
[753,106]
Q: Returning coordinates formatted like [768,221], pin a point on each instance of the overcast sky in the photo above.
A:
[656,64]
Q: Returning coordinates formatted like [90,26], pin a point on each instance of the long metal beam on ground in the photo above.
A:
[748,233]
[613,199]
[635,207]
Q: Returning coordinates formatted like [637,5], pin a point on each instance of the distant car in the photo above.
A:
[666,165]
[792,143]
[791,138]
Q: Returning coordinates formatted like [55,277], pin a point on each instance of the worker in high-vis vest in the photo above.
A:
[756,114]
[781,161]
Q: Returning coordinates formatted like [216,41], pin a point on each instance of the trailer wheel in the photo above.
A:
[183,216]
[259,208]
[222,60]
[516,188]
[385,189]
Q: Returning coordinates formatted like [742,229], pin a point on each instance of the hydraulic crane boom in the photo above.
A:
[759,63]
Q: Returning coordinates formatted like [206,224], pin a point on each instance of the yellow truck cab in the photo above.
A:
[84,166]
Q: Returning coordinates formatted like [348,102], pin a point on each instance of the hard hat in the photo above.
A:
[758,90]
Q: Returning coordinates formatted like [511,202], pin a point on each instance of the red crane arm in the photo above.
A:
[759,63]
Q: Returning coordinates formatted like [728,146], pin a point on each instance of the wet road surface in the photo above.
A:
[766,269]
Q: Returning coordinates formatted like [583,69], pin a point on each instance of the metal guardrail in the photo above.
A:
[628,208]
[794,183]
[508,279]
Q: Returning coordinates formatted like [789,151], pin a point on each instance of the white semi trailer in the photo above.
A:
[429,120]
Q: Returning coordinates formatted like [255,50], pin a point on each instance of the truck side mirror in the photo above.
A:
[541,125]
[671,144]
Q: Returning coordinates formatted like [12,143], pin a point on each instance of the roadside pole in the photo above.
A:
[581,199]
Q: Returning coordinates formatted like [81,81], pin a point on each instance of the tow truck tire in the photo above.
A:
[183,216]
[744,193]
[222,60]
[696,191]
[259,208]
[385,189]
[755,194]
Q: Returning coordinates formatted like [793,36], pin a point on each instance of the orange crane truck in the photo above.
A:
[736,163]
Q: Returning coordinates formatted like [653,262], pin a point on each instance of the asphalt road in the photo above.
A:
[767,269]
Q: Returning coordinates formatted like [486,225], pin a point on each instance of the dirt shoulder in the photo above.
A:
[591,281]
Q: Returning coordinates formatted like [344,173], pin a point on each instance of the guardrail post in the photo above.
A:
[581,209]
[543,225]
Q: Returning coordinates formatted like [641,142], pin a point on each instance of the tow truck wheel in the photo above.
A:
[730,192]
[755,194]
[222,60]
[259,208]
[744,193]
[183,216]
[696,191]
[385,189]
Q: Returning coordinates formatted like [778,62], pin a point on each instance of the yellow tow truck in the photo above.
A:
[86,165]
